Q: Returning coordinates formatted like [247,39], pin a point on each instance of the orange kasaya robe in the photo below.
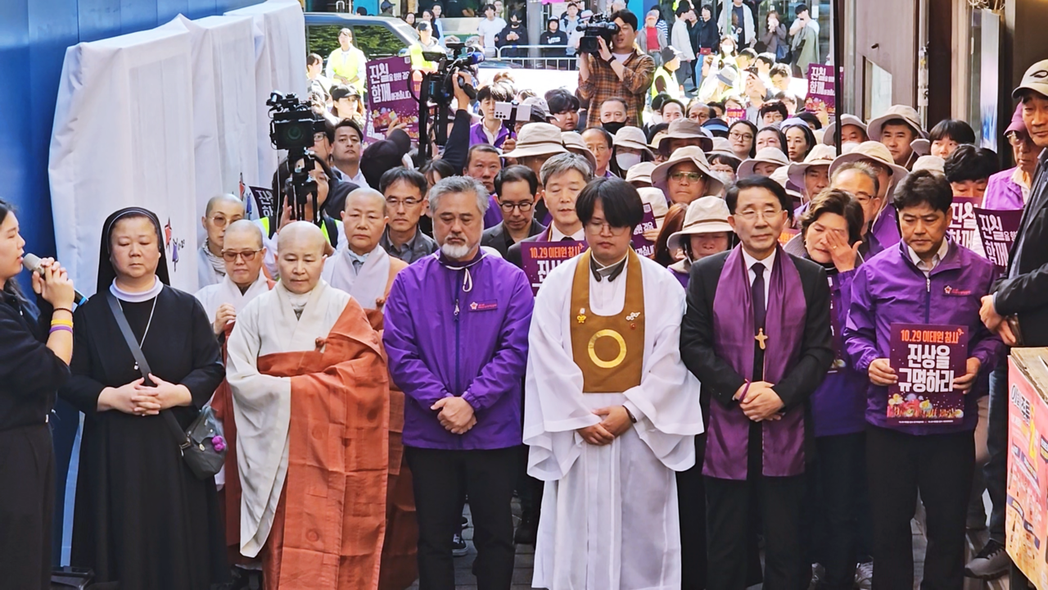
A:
[399,567]
[330,521]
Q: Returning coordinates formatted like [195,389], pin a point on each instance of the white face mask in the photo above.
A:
[627,161]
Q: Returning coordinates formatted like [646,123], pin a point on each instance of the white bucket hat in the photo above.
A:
[640,172]
[633,138]
[654,197]
[873,151]
[705,215]
[693,154]
[820,155]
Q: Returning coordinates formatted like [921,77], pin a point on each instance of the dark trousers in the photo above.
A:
[995,472]
[691,502]
[840,503]
[939,467]
[438,477]
[27,495]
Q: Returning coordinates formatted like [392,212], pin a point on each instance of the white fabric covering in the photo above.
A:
[622,497]
[368,285]
[280,58]
[262,403]
[123,136]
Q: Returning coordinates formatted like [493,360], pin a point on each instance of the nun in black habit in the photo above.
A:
[142,520]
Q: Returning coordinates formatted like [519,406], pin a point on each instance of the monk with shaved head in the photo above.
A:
[311,401]
[221,211]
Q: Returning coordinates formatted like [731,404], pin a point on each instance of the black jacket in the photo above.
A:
[697,345]
[1026,295]
[513,254]
[705,35]
[495,237]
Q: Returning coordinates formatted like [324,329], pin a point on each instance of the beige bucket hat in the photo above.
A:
[769,155]
[690,130]
[873,151]
[640,173]
[538,139]
[575,144]
[907,114]
[722,147]
[694,154]
[654,197]
[930,163]
[705,215]
[829,135]
[820,155]
[633,138]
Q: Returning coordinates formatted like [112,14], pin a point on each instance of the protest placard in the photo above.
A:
[927,358]
[539,258]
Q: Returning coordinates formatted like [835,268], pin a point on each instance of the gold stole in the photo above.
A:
[608,349]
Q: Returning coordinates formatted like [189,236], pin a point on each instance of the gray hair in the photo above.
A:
[562,163]
[458,184]
[862,168]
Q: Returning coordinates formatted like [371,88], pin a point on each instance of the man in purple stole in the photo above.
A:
[757,334]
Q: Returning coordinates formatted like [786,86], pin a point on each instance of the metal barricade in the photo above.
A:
[539,57]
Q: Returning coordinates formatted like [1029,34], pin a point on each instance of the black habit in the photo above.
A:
[142,518]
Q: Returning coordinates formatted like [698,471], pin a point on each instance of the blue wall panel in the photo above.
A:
[34,35]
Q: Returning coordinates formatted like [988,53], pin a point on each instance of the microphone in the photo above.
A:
[32,263]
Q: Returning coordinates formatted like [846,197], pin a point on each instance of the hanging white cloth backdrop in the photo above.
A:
[223,106]
[164,119]
[280,65]
[123,136]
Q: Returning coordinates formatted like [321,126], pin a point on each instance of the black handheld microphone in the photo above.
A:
[32,263]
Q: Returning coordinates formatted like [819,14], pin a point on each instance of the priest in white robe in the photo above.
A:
[311,399]
[220,212]
[362,267]
[610,411]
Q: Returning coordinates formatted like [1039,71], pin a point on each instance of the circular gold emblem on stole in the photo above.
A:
[603,364]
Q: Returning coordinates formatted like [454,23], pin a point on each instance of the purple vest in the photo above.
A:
[728,434]
[1002,193]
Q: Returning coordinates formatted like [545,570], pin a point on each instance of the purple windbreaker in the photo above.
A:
[449,333]
[885,231]
[837,405]
[1002,193]
[889,288]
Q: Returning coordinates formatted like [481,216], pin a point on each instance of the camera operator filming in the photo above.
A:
[620,71]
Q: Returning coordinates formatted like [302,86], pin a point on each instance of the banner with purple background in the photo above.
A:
[642,245]
[821,85]
[539,258]
[927,358]
[389,97]
[997,228]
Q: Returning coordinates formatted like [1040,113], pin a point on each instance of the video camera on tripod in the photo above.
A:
[437,88]
[291,128]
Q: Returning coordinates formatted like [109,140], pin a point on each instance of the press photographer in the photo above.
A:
[618,71]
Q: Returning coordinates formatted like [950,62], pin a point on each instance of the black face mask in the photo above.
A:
[612,127]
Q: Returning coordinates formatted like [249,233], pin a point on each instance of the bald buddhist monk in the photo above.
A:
[311,401]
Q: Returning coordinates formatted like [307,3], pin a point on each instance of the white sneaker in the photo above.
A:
[458,546]
[991,563]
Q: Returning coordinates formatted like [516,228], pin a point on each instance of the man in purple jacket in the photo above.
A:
[926,279]
[457,339]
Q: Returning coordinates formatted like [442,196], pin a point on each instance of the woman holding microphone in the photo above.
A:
[35,362]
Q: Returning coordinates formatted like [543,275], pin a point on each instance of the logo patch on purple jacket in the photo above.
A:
[948,290]
[484,305]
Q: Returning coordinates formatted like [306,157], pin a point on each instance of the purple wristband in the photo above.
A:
[59,328]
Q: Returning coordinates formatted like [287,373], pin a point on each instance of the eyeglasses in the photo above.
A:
[752,214]
[409,202]
[741,136]
[524,206]
[691,176]
[598,227]
[247,255]
[1016,140]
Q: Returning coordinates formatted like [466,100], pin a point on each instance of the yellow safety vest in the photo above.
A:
[668,79]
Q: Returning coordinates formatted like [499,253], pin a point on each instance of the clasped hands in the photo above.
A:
[759,402]
[139,399]
[616,421]
[456,415]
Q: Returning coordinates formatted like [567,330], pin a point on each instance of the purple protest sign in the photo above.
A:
[389,97]
[963,227]
[821,84]
[734,114]
[642,245]
[265,201]
[997,229]
[926,359]
[539,258]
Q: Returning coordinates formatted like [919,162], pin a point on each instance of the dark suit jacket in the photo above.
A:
[495,237]
[338,190]
[513,254]
[1026,295]
[697,345]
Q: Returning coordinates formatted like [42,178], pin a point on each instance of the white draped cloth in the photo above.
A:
[368,285]
[262,403]
[208,270]
[609,513]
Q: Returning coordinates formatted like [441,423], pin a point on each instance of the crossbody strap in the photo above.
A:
[143,366]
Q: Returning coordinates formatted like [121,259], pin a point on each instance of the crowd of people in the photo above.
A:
[426,334]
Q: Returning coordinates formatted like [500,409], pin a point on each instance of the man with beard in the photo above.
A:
[456,335]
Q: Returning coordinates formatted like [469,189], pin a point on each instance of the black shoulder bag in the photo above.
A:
[197,443]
